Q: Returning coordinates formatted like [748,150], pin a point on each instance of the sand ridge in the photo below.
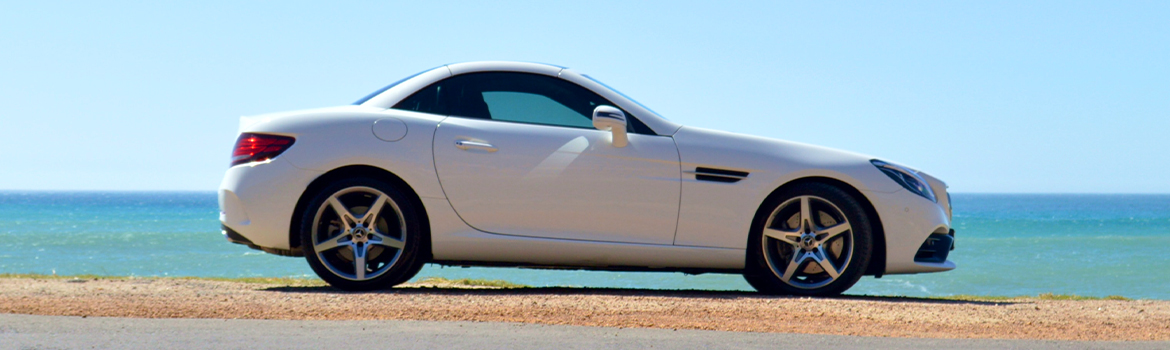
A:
[1026,318]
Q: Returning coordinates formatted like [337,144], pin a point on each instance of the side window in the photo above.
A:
[425,100]
[528,98]
[533,109]
[513,97]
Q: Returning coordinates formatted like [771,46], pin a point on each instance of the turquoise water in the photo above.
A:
[1094,245]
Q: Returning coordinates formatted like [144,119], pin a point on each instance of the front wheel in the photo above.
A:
[361,234]
[810,239]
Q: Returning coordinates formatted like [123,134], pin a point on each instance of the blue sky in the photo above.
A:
[989,96]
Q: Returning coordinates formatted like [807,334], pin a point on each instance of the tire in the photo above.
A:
[409,273]
[811,239]
[389,239]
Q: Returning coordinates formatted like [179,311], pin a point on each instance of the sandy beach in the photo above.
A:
[1018,318]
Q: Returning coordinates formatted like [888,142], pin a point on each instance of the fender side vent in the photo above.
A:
[718,175]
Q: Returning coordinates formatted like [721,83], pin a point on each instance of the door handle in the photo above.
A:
[465,145]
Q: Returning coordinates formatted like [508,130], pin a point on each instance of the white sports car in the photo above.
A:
[534,165]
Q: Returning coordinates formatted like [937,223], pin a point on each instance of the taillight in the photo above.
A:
[259,147]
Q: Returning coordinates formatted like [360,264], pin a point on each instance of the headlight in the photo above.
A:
[907,178]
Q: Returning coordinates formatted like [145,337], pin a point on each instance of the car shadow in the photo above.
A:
[670,293]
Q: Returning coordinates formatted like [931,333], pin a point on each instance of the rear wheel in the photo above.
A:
[809,239]
[362,234]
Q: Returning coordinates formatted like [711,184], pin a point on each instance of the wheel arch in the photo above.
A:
[877,261]
[350,171]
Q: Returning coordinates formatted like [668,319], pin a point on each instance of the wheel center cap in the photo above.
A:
[359,235]
[808,241]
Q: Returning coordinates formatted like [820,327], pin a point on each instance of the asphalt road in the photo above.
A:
[71,332]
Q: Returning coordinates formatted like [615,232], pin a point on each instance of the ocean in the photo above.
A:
[1007,245]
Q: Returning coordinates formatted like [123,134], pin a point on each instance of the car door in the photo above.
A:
[519,156]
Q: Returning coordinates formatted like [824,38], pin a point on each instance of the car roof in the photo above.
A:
[391,96]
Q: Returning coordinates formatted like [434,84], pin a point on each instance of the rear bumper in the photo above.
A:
[256,202]
[237,238]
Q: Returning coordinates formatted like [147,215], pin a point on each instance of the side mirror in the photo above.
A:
[611,119]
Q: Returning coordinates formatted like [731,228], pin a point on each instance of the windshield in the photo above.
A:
[623,95]
[380,91]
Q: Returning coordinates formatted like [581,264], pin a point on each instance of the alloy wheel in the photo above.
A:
[808,242]
[359,233]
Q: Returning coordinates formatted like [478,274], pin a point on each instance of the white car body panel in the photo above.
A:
[559,182]
[259,204]
[454,241]
[769,163]
[665,219]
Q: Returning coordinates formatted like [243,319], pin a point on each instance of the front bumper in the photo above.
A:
[909,222]
[936,248]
